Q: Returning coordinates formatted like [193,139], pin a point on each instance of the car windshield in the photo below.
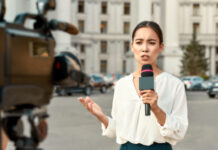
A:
[97,78]
[187,79]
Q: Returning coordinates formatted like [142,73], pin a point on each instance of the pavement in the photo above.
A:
[71,127]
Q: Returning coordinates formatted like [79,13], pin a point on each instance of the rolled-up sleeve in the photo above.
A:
[176,123]
[110,131]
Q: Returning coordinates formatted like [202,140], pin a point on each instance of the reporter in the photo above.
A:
[168,121]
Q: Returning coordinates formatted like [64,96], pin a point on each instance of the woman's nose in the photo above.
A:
[144,48]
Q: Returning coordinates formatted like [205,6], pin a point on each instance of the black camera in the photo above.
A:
[29,69]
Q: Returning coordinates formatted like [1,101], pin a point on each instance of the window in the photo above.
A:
[217,67]
[103,66]
[81,5]
[103,27]
[196,28]
[217,50]
[126,28]
[152,9]
[82,48]
[196,8]
[217,8]
[104,47]
[82,61]
[126,46]
[104,7]
[126,8]
[124,66]
[81,26]
[216,28]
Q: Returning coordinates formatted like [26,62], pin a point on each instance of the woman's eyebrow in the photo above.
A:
[152,40]
[139,39]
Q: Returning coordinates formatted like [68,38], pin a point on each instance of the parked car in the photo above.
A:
[81,85]
[213,90]
[63,91]
[109,80]
[208,83]
[98,82]
[193,83]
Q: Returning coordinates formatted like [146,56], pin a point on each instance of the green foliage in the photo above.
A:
[205,77]
[193,60]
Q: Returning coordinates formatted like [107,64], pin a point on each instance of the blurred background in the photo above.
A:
[190,29]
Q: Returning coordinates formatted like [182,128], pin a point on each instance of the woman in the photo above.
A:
[168,121]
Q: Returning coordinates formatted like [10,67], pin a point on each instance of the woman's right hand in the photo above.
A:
[94,109]
[91,106]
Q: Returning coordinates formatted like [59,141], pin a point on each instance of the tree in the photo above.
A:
[193,60]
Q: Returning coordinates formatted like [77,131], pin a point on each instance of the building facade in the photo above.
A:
[104,38]
[103,44]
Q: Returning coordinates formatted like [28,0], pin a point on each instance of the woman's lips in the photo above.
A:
[145,57]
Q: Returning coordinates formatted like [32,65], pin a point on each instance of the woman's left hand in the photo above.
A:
[150,97]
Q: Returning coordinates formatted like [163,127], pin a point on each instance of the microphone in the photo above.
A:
[146,82]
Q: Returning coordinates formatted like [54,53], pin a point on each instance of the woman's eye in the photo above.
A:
[138,43]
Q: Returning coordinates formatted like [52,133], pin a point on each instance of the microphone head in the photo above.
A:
[147,70]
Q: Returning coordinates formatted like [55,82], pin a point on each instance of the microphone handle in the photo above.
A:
[147,109]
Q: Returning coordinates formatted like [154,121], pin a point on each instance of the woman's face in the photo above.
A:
[146,46]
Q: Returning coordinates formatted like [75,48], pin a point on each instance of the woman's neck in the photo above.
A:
[156,71]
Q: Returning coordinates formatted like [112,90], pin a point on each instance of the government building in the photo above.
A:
[103,43]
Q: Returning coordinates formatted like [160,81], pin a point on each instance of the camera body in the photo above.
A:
[26,61]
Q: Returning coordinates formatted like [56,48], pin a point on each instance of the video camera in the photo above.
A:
[29,69]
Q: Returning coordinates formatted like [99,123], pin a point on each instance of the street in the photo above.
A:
[71,127]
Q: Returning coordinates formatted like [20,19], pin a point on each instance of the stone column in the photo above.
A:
[89,61]
[210,18]
[92,23]
[204,15]
[213,61]
[63,13]
[118,58]
[129,62]
[31,6]
[96,60]
[14,7]
[157,12]
[142,9]
[208,56]
[172,54]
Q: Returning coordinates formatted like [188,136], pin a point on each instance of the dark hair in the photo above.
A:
[153,25]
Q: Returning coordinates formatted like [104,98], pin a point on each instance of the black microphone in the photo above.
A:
[146,82]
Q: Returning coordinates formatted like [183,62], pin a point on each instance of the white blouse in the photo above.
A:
[129,123]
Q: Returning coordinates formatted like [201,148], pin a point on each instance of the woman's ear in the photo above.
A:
[161,47]
[131,46]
